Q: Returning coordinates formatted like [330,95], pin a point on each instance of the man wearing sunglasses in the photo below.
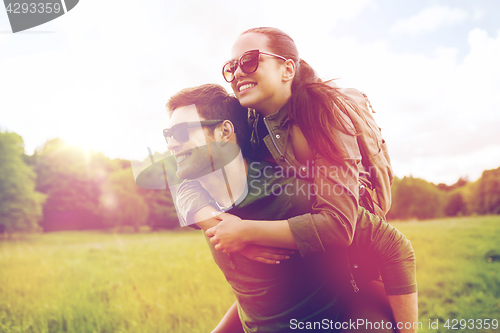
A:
[298,291]
[198,139]
[195,148]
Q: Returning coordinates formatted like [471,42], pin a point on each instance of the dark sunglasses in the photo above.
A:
[180,131]
[248,62]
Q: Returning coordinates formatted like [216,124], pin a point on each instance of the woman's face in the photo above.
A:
[264,89]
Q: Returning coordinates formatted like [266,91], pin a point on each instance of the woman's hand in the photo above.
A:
[265,254]
[229,235]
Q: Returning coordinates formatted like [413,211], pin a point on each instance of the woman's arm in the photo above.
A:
[232,234]
[264,254]
[230,323]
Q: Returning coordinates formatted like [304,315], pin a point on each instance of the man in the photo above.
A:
[206,124]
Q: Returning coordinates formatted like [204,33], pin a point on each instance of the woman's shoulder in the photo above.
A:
[346,143]
[301,148]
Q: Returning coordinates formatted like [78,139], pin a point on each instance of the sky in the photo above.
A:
[100,75]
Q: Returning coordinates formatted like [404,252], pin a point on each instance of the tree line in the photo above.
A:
[63,187]
[415,198]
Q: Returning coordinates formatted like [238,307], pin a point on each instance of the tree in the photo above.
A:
[20,203]
[120,204]
[162,213]
[487,192]
[455,204]
[460,183]
[70,183]
[415,198]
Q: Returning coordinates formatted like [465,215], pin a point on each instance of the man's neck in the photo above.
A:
[227,184]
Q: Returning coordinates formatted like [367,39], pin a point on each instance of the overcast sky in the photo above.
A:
[100,75]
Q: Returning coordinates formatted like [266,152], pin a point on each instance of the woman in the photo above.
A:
[301,123]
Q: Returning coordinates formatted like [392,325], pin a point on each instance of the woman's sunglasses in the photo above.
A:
[180,131]
[248,62]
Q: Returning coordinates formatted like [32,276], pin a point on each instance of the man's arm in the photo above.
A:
[405,310]
[204,215]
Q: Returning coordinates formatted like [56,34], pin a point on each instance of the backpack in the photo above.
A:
[377,177]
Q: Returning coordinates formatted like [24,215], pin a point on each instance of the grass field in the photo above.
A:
[167,281]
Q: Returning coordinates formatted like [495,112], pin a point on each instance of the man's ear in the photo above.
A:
[289,72]
[226,131]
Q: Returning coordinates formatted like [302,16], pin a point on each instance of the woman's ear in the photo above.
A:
[289,72]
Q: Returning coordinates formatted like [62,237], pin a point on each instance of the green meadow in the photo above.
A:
[167,281]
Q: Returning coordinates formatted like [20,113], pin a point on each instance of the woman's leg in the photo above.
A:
[370,310]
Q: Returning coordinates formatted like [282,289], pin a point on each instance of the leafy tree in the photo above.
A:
[460,183]
[64,177]
[20,203]
[415,198]
[79,185]
[162,213]
[120,204]
[72,177]
[487,192]
[455,204]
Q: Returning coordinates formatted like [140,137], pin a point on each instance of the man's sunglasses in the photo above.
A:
[180,131]
[248,62]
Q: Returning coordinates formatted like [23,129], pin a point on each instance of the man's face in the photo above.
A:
[192,156]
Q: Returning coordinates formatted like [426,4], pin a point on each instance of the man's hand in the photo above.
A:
[229,235]
[266,255]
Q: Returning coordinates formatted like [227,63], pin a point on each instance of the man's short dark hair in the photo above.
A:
[213,102]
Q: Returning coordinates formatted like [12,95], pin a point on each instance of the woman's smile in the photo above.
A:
[242,88]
